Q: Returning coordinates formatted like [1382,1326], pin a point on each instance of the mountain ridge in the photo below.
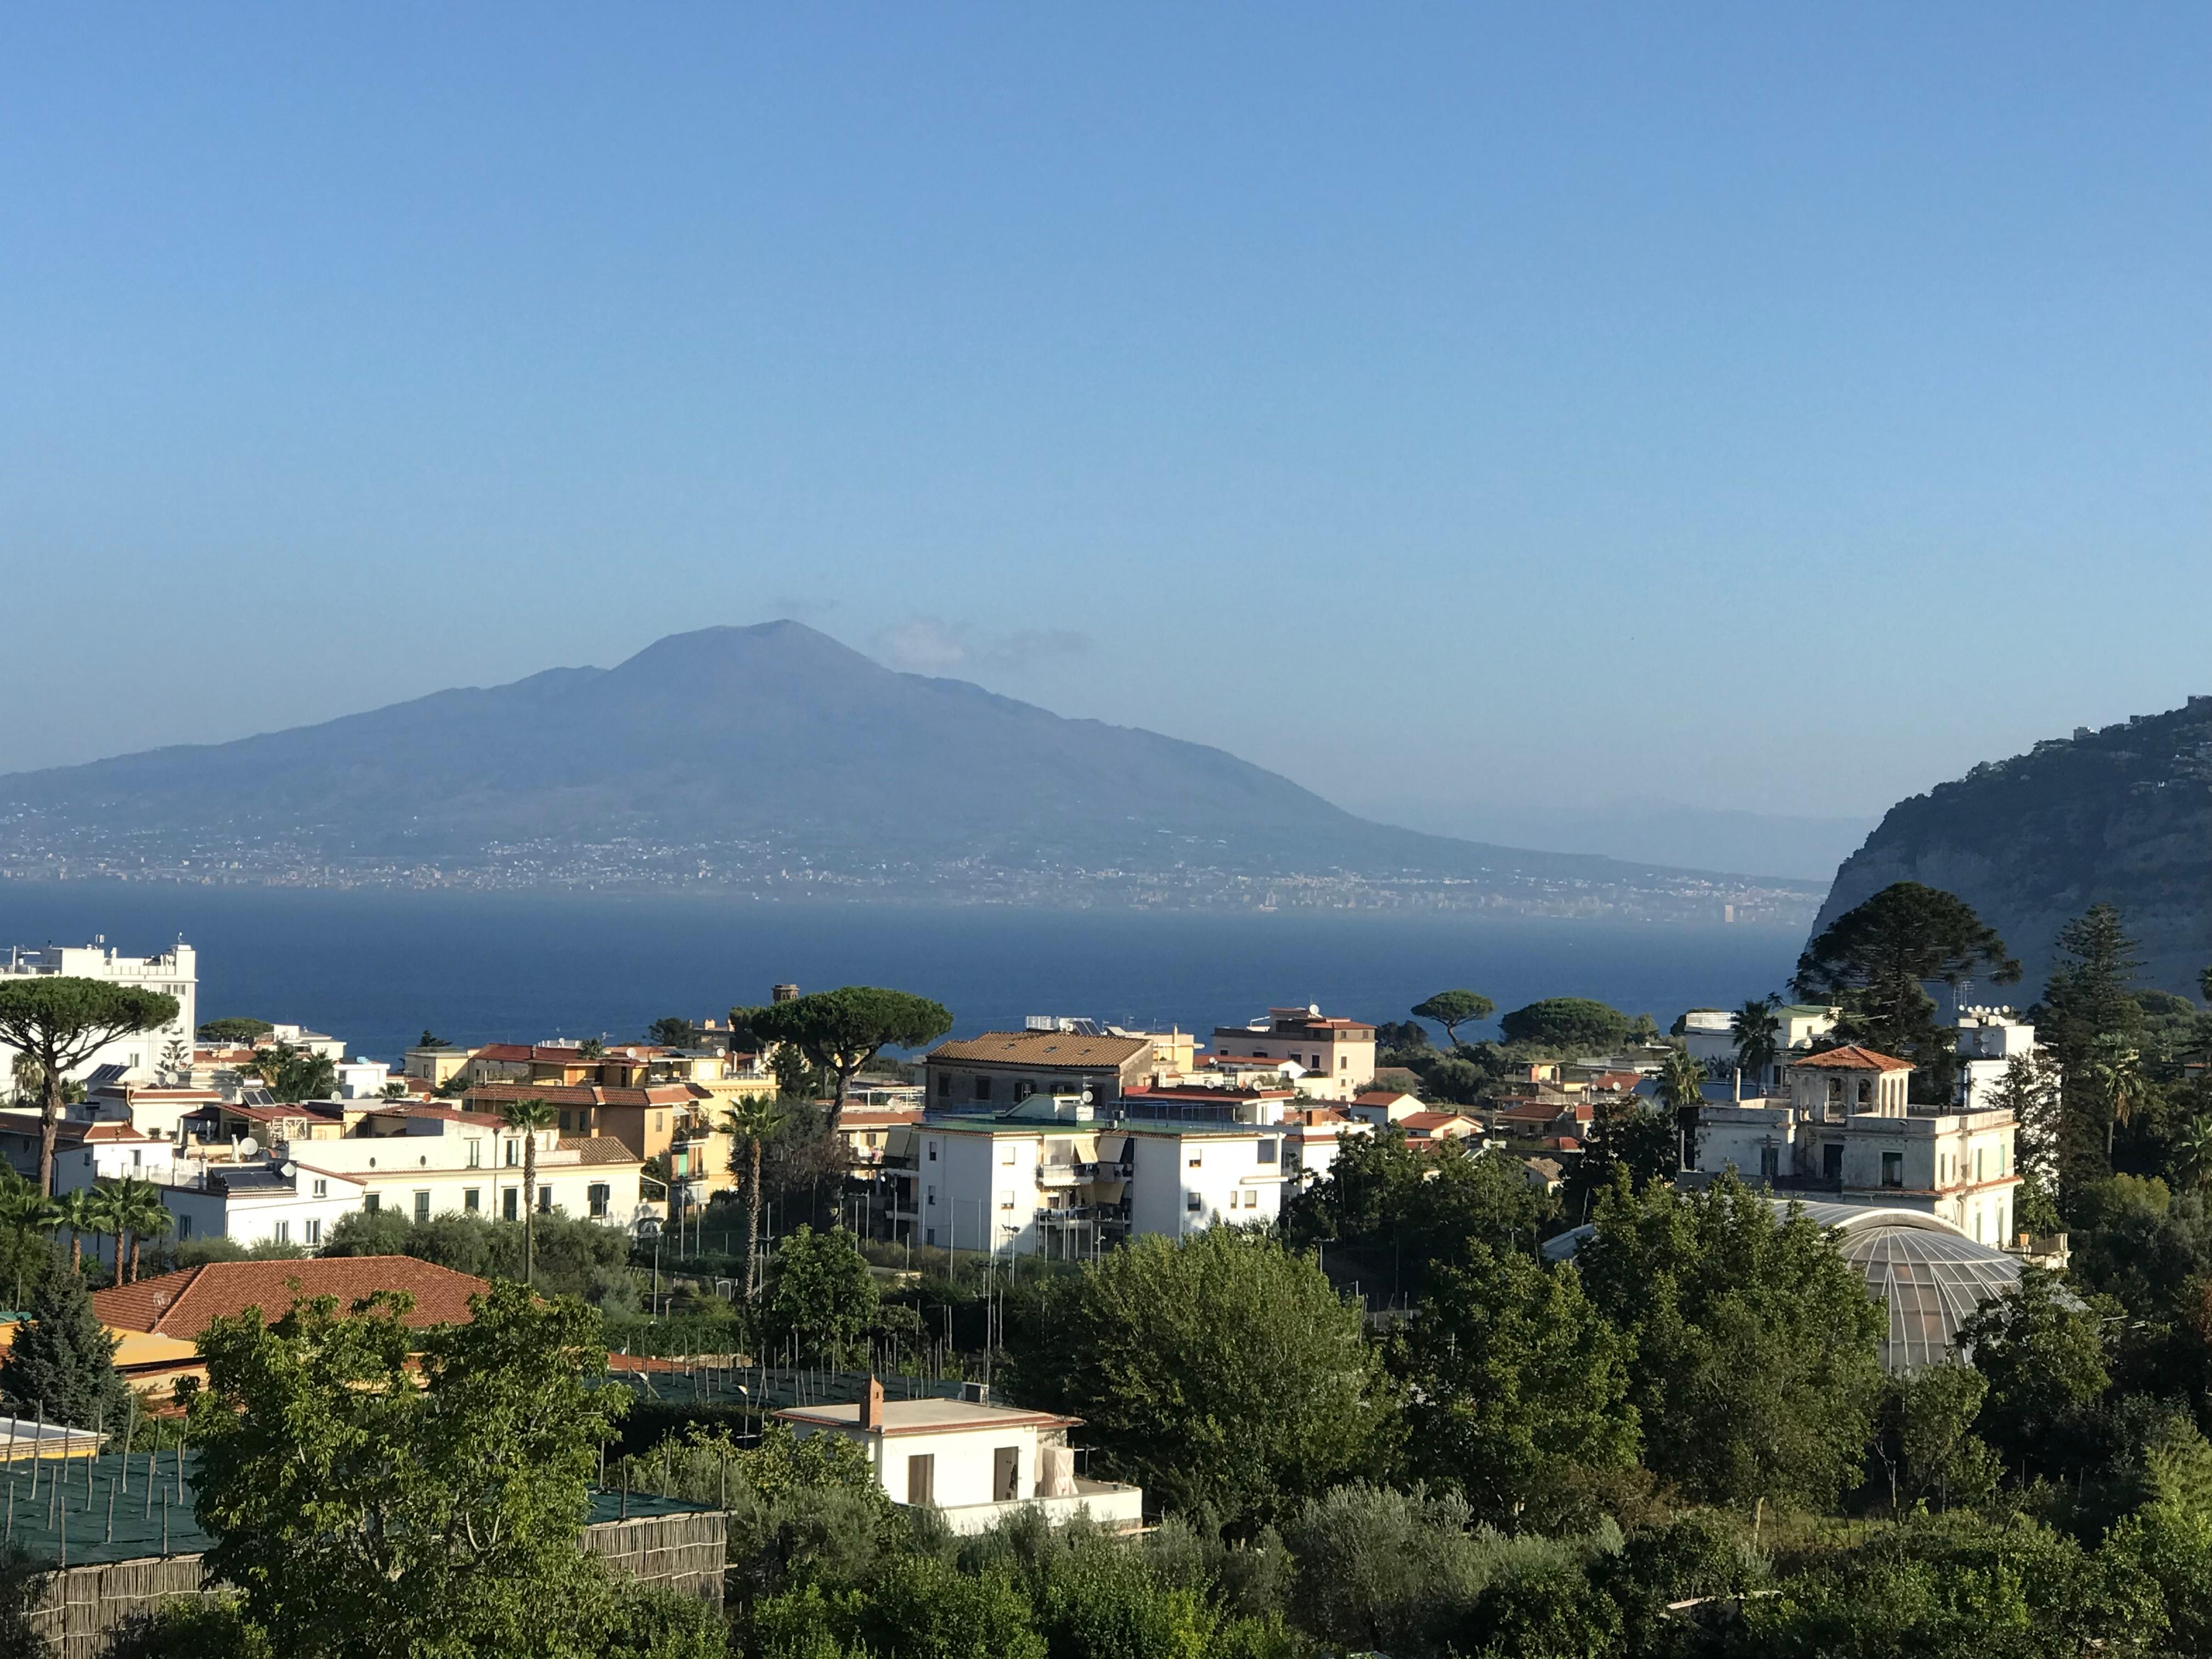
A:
[2122,815]
[769,743]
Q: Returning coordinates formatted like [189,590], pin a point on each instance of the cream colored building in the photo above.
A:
[973,1462]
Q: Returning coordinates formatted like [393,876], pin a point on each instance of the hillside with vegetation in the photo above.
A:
[2121,817]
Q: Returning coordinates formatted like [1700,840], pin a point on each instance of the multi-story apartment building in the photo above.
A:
[174,973]
[1055,1177]
[1337,1057]
[1004,1068]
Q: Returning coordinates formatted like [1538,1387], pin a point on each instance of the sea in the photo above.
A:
[378,968]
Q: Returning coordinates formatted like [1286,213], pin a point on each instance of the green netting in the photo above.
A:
[102,1516]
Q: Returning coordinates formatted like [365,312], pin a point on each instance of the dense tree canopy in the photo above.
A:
[1571,1025]
[365,1503]
[1219,1370]
[1756,1368]
[235,1028]
[1518,1391]
[1874,960]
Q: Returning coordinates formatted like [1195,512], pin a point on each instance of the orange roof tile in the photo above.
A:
[180,1305]
[1851,1058]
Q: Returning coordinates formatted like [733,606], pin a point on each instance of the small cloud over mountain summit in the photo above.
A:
[931,645]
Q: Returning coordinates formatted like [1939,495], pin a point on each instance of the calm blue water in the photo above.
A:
[375,969]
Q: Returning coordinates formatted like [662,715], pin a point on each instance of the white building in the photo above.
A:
[1989,1039]
[418,1161]
[1708,1035]
[1052,1178]
[973,1462]
[143,1053]
[1847,1130]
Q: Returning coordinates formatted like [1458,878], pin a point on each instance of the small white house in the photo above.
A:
[973,1462]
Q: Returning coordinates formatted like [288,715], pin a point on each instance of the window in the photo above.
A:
[1024,1089]
[1192,1202]
[473,1199]
[1892,1169]
[1866,1092]
[544,1200]
[1005,1474]
[184,1227]
[319,1188]
[945,1085]
[599,1195]
[1197,1157]
[933,1198]
[1006,1154]
[1005,1198]
[921,1479]
[1344,1062]
[372,1203]
[929,1234]
[281,1232]
[660,1121]
[421,1206]
[1267,1152]
[513,1154]
[511,1206]
[476,1154]
[314,1232]
[983,1088]
[933,1151]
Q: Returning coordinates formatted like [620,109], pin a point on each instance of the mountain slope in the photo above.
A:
[746,748]
[2122,815]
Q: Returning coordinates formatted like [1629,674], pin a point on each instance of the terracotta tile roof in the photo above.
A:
[180,1305]
[591,1094]
[67,1131]
[1431,1120]
[1381,1097]
[598,1149]
[1045,1050]
[1851,1058]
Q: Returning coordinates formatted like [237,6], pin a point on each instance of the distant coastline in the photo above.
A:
[376,966]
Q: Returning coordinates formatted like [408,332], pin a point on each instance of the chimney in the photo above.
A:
[872,1404]
[783,994]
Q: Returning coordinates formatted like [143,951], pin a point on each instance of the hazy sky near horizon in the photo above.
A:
[1772,408]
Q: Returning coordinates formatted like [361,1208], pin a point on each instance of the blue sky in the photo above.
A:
[1772,408]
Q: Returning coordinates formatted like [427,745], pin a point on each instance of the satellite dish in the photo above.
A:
[291,1170]
[248,1147]
[1086,1097]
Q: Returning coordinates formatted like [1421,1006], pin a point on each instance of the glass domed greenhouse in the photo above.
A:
[1930,1275]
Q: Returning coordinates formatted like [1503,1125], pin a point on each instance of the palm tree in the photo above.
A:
[748,1124]
[1758,1029]
[80,1213]
[2191,1153]
[1681,1080]
[528,1118]
[106,1220]
[140,1212]
[24,1210]
[2116,1069]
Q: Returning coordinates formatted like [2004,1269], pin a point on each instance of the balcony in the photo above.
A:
[1065,1175]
